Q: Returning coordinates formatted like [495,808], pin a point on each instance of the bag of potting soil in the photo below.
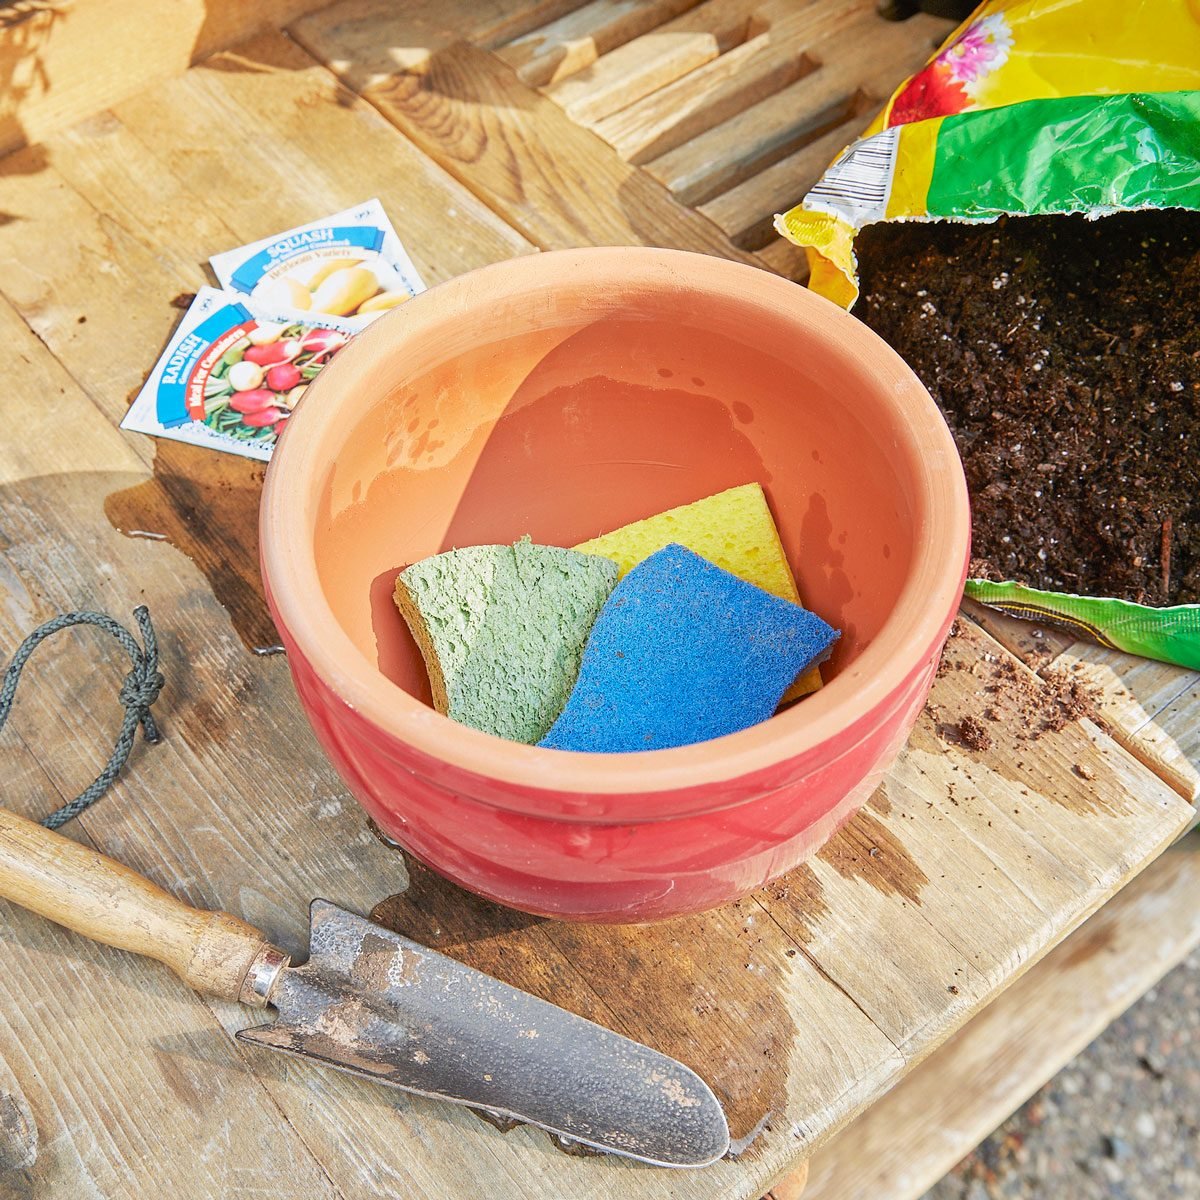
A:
[1030,107]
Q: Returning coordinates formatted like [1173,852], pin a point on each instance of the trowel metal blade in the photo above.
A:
[375,1003]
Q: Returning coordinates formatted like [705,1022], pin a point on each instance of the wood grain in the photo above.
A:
[930,1120]
[855,60]
[770,130]
[784,258]
[67,61]
[103,900]
[704,97]
[747,212]
[647,63]
[1140,699]
[578,38]
[112,1056]
[18,1129]
[134,187]
[554,181]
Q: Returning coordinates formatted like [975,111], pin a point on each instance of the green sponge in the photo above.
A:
[502,630]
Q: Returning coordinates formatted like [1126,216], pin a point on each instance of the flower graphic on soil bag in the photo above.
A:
[950,83]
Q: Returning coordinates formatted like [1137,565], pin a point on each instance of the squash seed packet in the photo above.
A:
[232,373]
[350,265]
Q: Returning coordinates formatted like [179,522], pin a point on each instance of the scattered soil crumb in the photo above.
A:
[1084,772]
[946,663]
[1046,704]
[1028,706]
[973,734]
[183,300]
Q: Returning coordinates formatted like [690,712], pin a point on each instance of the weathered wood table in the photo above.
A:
[490,129]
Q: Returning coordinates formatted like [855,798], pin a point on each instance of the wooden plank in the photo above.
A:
[487,23]
[551,179]
[1130,692]
[704,97]
[999,817]
[857,59]
[907,1141]
[770,130]
[747,212]
[647,63]
[135,189]
[1130,695]
[18,1132]
[1035,645]
[577,39]
[784,258]
[90,1033]
[60,62]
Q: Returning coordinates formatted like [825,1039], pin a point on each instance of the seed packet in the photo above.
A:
[350,265]
[232,373]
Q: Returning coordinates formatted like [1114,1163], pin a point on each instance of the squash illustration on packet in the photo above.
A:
[349,265]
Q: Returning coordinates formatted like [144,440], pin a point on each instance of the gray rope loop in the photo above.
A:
[139,690]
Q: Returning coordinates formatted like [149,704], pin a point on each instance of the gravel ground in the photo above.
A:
[1122,1122]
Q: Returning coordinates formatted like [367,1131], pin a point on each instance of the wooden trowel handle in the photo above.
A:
[213,952]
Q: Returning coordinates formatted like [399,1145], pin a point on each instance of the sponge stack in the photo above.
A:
[733,529]
[502,630]
[683,652]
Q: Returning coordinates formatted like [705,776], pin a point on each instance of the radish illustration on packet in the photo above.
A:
[242,356]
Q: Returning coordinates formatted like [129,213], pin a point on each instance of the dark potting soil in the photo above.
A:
[1065,354]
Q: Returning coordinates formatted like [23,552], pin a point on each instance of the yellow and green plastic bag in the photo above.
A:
[1030,107]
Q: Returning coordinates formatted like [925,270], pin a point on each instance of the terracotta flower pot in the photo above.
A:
[562,395]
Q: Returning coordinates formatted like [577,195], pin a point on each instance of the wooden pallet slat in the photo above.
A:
[549,177]
[693,104]
[784,258]
[573,42]
[854,56]
[747,212]
[1137,697]
[936,1115]
[770,130]
[646,64]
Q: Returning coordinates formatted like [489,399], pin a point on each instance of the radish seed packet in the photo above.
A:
[232,373]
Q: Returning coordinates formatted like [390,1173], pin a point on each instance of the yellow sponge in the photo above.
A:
[733,529]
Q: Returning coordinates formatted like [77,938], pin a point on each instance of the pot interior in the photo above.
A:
[543,417]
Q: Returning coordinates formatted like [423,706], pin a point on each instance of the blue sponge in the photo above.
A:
[683,652]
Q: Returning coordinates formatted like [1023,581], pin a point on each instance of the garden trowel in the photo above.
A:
[374,1003]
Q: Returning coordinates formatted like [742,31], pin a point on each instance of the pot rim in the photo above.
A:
[924,608]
